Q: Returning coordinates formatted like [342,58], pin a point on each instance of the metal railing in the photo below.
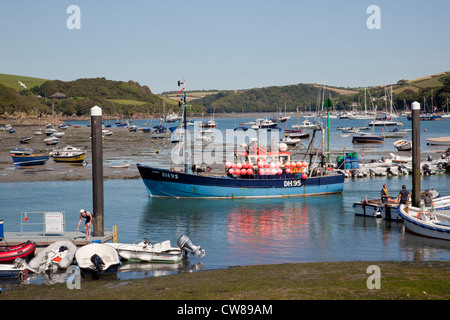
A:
[52,222]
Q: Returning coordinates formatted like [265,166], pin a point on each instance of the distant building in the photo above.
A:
[58,96]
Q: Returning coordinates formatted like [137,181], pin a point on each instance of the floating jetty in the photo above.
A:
[44,240]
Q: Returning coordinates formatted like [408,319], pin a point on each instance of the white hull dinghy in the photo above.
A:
[147,252]
[57,256]
[13,270]
[427,223]
[97,259]
[442,203]
[161,252]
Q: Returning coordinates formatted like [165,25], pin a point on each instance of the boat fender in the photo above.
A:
[418,214]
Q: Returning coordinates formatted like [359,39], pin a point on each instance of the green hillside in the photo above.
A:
[115,97]
[129,98]
[12,81]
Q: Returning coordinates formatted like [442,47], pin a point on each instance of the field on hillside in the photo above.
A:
[190,95]
[12,81]
[432,81]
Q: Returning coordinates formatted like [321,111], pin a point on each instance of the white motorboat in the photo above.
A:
[58,134]
[121,165]
[49,131]
[51,141]
[306,124]
[13,270]
[291,141]
[57,256]
[403,145]
[147,252]
[442,203]
[427,223]
[440,141]
[394,134]
[204,135]
[161,252]
[97,258]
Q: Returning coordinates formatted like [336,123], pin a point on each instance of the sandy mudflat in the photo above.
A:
[121,147]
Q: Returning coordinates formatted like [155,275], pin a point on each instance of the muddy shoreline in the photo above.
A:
[119,148]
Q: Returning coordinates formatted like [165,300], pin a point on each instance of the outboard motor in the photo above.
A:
[98,264]
[185,243]
[426,169]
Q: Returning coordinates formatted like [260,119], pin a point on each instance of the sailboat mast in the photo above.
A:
[183,98]
[390,111]
[365,101]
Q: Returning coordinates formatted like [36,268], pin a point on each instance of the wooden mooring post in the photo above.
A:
[415,197]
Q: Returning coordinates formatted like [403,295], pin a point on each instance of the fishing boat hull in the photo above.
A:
[167,183]
[30,160]
[431,225]
[24,250]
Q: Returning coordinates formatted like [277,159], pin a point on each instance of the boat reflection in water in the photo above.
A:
[246,231]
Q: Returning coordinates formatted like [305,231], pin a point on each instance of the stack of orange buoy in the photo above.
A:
[296,167]
[243,168]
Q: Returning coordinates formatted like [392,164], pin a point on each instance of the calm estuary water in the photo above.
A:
[238,232]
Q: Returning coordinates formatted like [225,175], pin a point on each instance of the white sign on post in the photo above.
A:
[53,222]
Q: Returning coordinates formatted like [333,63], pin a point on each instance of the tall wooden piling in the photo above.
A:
[97,170]
[415,197]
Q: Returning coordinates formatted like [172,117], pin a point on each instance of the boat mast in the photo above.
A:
[183,99]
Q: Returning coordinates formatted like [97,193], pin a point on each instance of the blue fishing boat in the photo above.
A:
[260,174]
[169,183]
[29,159]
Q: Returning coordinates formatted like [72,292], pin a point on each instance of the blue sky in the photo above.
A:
[226,44]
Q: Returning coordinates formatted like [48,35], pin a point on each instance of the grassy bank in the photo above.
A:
[303,281]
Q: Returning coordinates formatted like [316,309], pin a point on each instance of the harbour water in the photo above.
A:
[239,232]
[244,231]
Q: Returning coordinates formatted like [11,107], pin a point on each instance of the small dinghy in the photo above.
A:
[57,256]
[427,223]
[147,252]
[161,252]
[23,250]
[96,259]
[12,270]
[403,145]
